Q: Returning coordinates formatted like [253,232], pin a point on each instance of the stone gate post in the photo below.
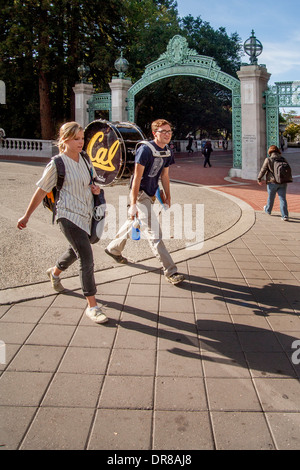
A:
[2,92]
[119,89]
[254,81]
[83,92]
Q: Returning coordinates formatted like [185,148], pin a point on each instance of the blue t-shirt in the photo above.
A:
[153,167]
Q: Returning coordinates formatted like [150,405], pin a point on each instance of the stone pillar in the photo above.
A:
[254,81]
[119,89]
[83,92]
[2,92]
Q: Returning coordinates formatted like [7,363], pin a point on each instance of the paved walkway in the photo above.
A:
[212,364]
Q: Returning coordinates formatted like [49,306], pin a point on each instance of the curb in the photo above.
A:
[240,227]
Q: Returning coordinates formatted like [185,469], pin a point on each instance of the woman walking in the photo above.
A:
[74,213]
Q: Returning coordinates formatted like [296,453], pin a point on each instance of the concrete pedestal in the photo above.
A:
[83,92]
[254,81]
[119,89]
[2,92]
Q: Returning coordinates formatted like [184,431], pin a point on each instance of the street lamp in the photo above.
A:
[253,47]
[83,72]
[121,65]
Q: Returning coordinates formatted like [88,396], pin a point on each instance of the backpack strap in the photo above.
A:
[155,152]
[60,168]
[87,161]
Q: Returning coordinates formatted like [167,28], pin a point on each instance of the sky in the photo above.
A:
[276,25]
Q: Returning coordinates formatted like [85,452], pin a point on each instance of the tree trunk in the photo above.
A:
[47,128]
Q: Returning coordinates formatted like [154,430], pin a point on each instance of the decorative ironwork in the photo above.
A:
[282,94]
[83,72]
[99,102]
[237,131]
[121,65]
[288,93]
[253,47]
[179,59]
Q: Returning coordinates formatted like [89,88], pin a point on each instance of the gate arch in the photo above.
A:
[179,59]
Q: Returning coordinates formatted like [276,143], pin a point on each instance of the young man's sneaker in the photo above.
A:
[55,281]
[175,278]
[285,219]
[96,315]
[266,211]
[118,258]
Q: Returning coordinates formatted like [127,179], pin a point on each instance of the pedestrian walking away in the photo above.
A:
[74,213]
[276,183]
[190,143]
[206,152]
[148,170]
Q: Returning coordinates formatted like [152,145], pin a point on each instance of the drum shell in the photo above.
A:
[111,148]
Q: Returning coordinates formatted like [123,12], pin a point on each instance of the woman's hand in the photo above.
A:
[34,203]
[95,189]
[22,223]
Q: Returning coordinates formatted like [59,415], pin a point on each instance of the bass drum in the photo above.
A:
[111,148]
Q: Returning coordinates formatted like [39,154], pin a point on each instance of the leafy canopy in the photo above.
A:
[43,42]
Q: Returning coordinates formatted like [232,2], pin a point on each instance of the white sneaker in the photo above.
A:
[96,315]
[55,281]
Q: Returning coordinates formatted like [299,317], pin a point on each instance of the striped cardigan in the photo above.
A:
[76,200]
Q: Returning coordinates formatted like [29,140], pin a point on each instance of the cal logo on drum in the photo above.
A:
[104,156]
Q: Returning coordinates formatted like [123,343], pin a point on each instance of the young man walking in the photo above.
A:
[148,170]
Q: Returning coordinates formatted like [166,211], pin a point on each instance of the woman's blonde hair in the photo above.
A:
[67,132]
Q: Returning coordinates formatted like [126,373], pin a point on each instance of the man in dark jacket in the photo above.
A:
[206,152]
[272,186]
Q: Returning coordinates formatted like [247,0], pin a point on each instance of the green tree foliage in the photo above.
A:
[292,130]
[43,42]
[193,104]
[226,50]
[149,26]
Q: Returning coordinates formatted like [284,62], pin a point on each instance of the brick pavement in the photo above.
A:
[212,364]
[248,191]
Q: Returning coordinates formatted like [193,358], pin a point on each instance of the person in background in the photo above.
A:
[273,188]
[206,152]
[190,143]
[282,143]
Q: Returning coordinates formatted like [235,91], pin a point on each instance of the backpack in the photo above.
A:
[282,171]
[51,198]
[155,153]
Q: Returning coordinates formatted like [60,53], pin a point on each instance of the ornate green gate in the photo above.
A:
[179,59]
[99,102]
[281,95]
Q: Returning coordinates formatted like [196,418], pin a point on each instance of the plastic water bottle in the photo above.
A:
[136,232]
